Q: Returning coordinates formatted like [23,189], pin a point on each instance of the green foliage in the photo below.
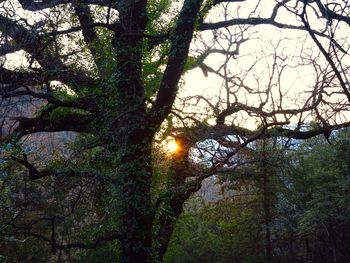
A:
[320,185]
[107,254]
[55,196]
[61,112]
[158,21]
[215,233]
[154,62]
[308,197]
[193,62]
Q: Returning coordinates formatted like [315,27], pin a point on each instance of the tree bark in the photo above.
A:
[133,186]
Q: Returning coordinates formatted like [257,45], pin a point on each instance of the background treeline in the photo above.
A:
[286,205]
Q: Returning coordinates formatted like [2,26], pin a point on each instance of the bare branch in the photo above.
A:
[325,54]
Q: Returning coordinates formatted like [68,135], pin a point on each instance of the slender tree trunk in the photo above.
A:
[166,221]
[267,200]
[167,224]
[267,214]
[309,253]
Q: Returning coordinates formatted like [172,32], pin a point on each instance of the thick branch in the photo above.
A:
[9,78]
[93,244]
[39,5]
[90,36]
[8,49]
[247,21]
[36,47]
[261,21]
[329,14]
[236,107]
[78,103]
[34,173]
[83,27]
[71,122]
[180,42]
[15,31]
[219,131]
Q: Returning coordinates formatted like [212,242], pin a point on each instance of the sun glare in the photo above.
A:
[172,146]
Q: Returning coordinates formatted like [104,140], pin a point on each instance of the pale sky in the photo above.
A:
[298,74]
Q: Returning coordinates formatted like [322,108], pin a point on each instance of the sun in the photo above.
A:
[172,146]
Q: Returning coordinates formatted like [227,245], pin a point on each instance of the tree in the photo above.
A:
[319,188]
[110,71]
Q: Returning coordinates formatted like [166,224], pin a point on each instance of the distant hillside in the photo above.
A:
[40,146]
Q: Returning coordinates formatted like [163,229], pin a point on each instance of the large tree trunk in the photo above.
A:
[131,190]
[133,137]
[135,172]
